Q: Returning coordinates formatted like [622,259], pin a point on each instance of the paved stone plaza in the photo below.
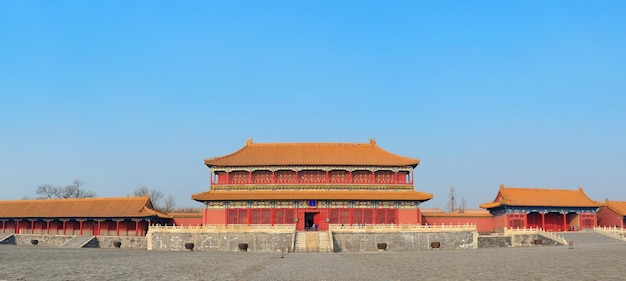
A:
[603,261]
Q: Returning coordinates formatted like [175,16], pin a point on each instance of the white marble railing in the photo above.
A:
[230,227]
[537,230]
[611,231]
[401,227]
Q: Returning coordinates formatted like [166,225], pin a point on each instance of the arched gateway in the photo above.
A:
[311,185]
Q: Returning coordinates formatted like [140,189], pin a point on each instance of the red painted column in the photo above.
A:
[580,221]
[3,226]
[506,221]
[326,178]
[64,226]
[227,177]
[395,177]
[80,227]
[17,227]
[273,176]
[250,177]
[372,179]
[350,176]
[136,227]
[526,220]
[117,228]
[564,221]
[99,227]
[297,177]
[32,227]
[48,227]
[543,220]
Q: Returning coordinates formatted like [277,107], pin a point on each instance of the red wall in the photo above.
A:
[484,224]
[188,221]
[606,217]
[408,216]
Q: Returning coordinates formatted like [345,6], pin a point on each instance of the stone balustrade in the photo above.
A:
[225,228]
[402,228]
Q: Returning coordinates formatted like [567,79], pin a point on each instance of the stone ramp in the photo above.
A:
[78,242]
[587,237]
[7,239]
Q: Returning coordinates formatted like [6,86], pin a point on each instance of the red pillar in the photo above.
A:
[273,176]
[326,178]
[526,220]
[99,227]
[564,221]
[250,177]
[297,176]
[3,226]
[136,227]
[506,221]
[48,227]
[350,176]
[117,228]
[543,220]
[80,227]
[64,226]
[17,227]
[372,180]
[395,177]
[580,221]
[32,227]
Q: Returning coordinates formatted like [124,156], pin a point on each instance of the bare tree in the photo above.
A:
[74,190]
[156,196]
[451,205]
[47,191]
[168,203]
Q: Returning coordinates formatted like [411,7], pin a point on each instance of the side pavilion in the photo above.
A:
[613,213]
[549,209]
[128,216]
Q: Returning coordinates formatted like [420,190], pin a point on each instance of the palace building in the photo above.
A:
[613,213]
[548,209]
[312,185]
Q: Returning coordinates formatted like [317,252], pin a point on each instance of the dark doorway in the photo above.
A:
[311,221]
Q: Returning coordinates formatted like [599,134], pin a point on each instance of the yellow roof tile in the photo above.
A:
[120,207]
[540,197]
[281,154]
[619,207]
[311,195]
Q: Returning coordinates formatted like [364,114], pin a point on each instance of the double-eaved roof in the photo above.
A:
[120,207]
[245,195]
[310,154]
[511,196]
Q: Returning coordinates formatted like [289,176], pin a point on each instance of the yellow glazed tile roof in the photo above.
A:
[619,207]
[540,197]
[121,207]
[284,154]
[311,195]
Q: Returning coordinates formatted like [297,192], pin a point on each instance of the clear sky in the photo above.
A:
[124,94]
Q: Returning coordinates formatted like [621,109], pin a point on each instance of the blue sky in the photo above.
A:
[127,94]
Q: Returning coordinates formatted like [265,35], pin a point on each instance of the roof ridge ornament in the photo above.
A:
[249,141]
[372,141]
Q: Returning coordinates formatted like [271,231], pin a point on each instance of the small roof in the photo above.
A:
[335,154]
[512,196]
[619,207]
[244,195]
[120,207]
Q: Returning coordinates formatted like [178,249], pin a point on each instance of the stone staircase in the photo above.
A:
[7,239]
[588,237]
[312,241]
[77,241]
